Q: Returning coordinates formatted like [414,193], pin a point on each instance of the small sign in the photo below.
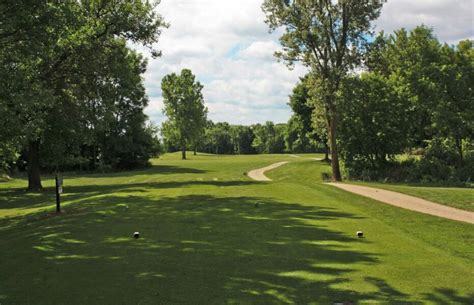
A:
[59,181]
[60,189]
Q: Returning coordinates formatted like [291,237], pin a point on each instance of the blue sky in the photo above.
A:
[228,47]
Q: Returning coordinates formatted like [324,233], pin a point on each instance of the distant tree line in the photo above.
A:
[267,138]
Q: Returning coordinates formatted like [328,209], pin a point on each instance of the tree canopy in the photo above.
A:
[65,67]
[415,95]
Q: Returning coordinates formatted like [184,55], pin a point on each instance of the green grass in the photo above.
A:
[461,198]
[204,241]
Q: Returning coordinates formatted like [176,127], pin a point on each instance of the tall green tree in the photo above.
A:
[184,107]
[412,60]
[53,53]
[436,80]
[328,37]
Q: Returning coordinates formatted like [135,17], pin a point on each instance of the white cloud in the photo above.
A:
[260,50]
[452,20]
[227,46]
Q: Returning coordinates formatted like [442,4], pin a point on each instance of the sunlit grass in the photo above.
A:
[203,240]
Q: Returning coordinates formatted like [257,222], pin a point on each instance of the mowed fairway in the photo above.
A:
[205,240]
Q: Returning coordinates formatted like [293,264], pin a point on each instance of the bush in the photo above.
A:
[326,177]
[358,169]
[466,172]
[392,171]
[433,170]
[440,164]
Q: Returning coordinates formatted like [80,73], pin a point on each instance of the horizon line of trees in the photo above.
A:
[234,139]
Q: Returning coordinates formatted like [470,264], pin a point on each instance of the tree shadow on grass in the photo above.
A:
[18,198]
[112,188]
[447,296]
[192,250]
[152,170]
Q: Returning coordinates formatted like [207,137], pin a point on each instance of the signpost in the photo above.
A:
[59,191]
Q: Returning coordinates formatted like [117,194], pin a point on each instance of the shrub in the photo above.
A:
[438,162]
[438,165]
[466,172]
[326,177]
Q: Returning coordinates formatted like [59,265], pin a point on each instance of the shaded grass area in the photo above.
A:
[461,198]
[205,240]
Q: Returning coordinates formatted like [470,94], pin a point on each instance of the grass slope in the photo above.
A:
[204,241]
[461,198]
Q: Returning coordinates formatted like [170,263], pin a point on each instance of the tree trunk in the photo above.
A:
[326,152]
[195,151]
[459,148]
[183,152]
[94,157]
[336,171]
[34,178]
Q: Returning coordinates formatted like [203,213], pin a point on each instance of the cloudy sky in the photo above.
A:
[228,47]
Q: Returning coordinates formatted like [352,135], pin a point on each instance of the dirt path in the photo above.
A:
[259,174]
[409,202]
[295,156]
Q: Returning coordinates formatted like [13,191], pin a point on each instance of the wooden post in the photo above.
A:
[59,190]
